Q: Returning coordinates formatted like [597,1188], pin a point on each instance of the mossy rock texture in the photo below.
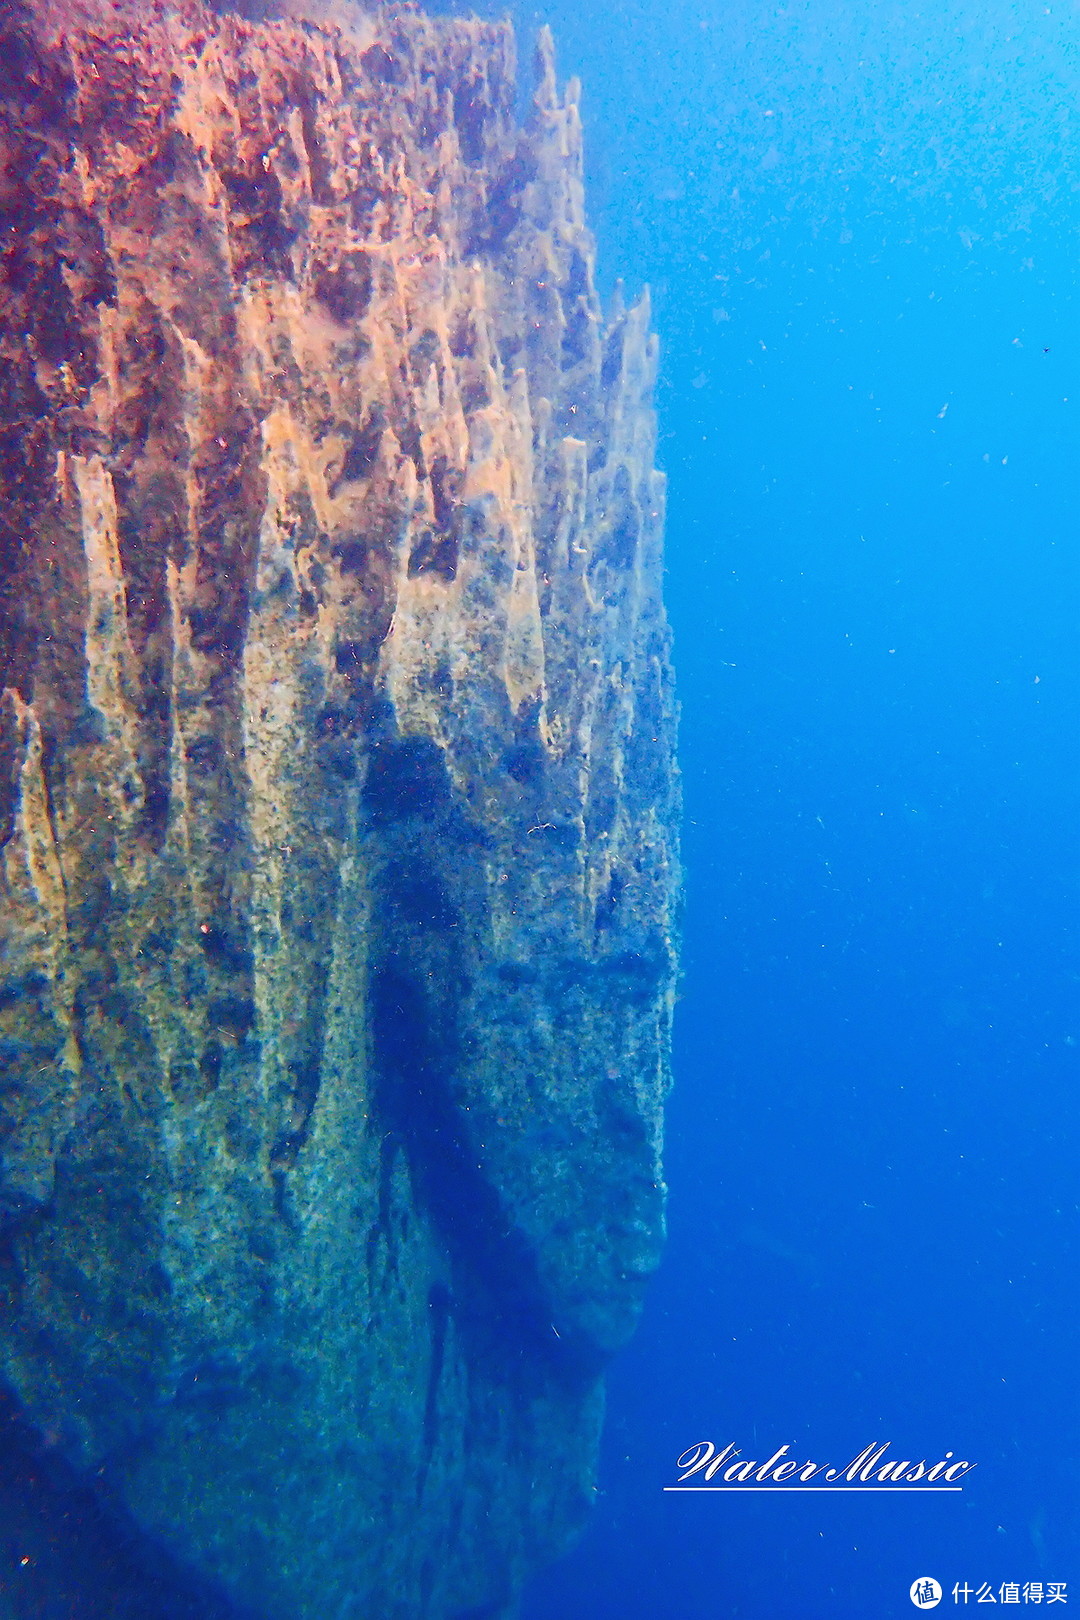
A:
[337,802]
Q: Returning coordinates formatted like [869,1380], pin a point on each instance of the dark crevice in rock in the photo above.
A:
[434,552]
[319,166]
[381,66]
[345,290]
[226,949]
[361,452]
[607,905]
[260,233]
[498,1301]
[406,778]
[11,757]
[470,117]
[439,1308]
[446,506]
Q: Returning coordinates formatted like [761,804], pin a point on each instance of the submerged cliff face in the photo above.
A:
[336,798]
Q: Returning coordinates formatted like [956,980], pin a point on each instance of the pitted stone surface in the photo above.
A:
[337,797]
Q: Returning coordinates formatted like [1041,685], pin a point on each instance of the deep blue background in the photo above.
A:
[854,216]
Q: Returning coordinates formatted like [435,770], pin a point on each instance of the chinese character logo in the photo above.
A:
[925,1592]
[1008,1592]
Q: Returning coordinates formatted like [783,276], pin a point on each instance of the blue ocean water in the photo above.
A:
[860,224]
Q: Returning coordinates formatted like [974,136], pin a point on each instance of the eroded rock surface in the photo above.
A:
[336,798]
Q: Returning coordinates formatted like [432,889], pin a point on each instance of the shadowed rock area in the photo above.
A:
[337,809]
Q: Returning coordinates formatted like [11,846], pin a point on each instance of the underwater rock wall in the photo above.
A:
[337,798]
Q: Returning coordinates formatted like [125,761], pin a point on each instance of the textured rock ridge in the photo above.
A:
[336,797]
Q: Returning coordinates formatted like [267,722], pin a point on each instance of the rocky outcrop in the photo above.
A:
[336,798]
